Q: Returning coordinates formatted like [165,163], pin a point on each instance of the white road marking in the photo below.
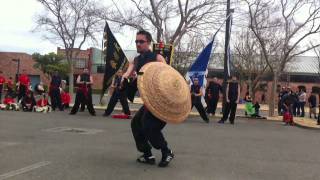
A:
[24,170]
[7,144]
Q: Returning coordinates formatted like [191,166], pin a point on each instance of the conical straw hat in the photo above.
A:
[164,92]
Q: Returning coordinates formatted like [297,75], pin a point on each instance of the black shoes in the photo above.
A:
[151,160]
[166,159]
[221,122]
[147,160]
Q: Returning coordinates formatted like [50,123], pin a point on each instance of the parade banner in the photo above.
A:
[166,50]
[115,58]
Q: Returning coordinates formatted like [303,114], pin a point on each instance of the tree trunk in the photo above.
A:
[71,79]
[272,102]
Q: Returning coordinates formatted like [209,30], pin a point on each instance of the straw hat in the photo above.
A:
[164,92]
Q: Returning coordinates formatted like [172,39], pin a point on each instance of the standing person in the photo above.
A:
[146,128]
[2,81]
[10,87]
[281,94]
[84,93]
[318,122]
[119,93]
[263,98]
[313,105]
[233,95]
[55,92]
[23,84]
[302,102]
[288,100]
[196,94]
[213,89]
[296,105]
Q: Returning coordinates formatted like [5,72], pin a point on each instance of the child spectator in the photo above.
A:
[28,102]
[65,99]
[9,103]
[42,105]
[288,101]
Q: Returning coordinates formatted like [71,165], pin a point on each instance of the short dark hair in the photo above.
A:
[146,34]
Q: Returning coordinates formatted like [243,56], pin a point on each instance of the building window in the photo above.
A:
[80,63]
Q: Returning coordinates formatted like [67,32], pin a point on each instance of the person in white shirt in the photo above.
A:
[302,102]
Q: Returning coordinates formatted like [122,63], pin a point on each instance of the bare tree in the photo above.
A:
[248,61]
[281,32]
[169,19]
[317,52]
[70,23]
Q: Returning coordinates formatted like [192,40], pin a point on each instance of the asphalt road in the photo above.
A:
[32,148]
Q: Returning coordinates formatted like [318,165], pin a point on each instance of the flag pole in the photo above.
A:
[227,41]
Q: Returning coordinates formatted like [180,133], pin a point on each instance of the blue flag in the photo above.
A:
[199,67]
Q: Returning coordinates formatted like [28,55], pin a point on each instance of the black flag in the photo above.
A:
[115,58]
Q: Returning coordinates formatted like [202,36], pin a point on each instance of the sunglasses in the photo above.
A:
[140,41]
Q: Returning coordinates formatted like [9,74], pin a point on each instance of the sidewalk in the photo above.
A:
[301,122]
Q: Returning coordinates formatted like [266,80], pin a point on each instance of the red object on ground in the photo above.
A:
[287,117]
[65,98]
[42,102]
[121,116]
[24,80]
[2,80]
[8,100]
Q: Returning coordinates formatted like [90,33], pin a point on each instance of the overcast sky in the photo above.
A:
[17,21]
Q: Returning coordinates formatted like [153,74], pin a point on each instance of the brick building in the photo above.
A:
[9,66]
[92,59]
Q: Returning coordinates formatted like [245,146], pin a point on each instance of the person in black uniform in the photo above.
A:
[196,94]
[212,95]
[119,93]
[55,92]
[233,94]
[146,128]
[84,93]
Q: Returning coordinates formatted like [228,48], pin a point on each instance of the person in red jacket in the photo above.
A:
[42,105]
[10,103]
[66,99]
[24,83]
[2,81]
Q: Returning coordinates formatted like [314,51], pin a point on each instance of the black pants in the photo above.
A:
[197,103]
[80,97]
[117,95]
[279,107]
[146,130]
[56,99]
[301,107]
[212,105]
[82,106]
[22,92]
[230,109]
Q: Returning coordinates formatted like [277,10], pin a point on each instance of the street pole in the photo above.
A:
[18,68]
[227,39]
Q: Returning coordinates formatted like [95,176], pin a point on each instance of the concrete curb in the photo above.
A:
[299,122]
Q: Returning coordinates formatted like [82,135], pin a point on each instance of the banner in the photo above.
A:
[115,58]
[166,50]
[199,67]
